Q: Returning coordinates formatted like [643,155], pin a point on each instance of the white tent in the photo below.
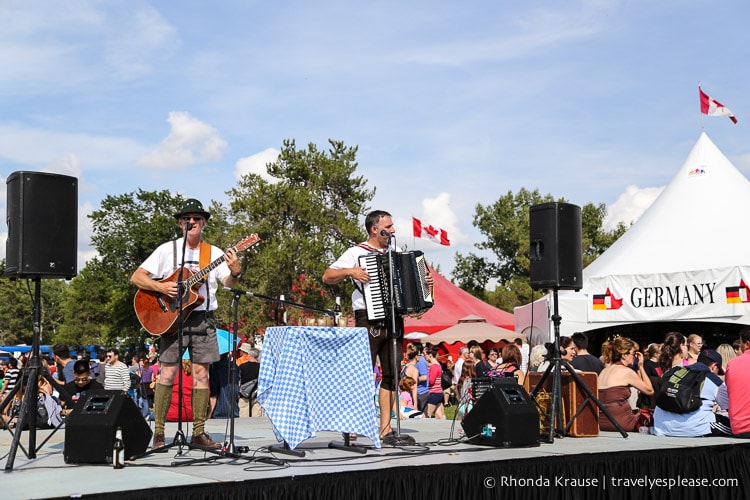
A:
[686,259]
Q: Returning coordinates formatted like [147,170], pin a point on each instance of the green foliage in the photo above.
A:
[306,218]
[16,315]
[505,224]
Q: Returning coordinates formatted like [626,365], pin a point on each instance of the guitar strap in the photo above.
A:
[204,260]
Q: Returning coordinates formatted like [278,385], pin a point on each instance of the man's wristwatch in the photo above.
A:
[236,276]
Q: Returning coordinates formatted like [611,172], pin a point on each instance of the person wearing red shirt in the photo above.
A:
[737,375]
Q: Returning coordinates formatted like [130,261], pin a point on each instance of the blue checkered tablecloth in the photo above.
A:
[317,379]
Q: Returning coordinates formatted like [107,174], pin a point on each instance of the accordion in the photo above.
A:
[407,272]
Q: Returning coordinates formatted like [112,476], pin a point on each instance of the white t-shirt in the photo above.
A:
[350,259]
[160,264]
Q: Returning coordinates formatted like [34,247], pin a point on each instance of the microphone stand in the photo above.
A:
[399,439]
[179,438]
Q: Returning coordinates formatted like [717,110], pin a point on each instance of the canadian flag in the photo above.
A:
[712,107]
[435,234]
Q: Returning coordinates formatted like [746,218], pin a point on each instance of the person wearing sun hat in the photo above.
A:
[199,330]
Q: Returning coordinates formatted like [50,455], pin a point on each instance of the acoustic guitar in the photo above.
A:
[158,313]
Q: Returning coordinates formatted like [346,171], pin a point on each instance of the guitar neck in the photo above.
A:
[198,277]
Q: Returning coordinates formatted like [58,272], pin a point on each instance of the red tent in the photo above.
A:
[452,304]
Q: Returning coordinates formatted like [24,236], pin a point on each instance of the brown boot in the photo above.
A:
[203,440]
[158,442]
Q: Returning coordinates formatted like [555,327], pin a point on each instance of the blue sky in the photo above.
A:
[450,103]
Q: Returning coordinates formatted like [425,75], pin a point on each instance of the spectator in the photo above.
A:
[423,388]
[477,355]
[567,352]
[249,371]
[407,387]
[694,347]
[615,381]
[463,355]
[117,373]
[410,369]
[148,381]
[10,379]
[651,365]
[463,388]
[536,357]
[738,373]
[483,368]
[703,421]
[102,357]
[435,398]
[447,382]
[524,347]
[727,354]
[673,352]
[82,382]
[64,363]
[511,365]
[585,361]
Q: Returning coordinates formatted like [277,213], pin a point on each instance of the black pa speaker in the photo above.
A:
[42,213]
[505,416]
[555,253]
[90,428]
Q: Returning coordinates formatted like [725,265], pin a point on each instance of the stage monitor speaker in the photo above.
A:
[555,252]
[90,428]
[42,213]
[505,416]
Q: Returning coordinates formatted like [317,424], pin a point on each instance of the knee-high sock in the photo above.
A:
[200,410]
[162,400]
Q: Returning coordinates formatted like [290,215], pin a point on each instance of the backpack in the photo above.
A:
[446,379]
[680,390]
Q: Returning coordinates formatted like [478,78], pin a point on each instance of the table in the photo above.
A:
[317,379]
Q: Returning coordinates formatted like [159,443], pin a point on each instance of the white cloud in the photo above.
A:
[630,205]
[256,164]
[437,212]
[189,141]
[48,149]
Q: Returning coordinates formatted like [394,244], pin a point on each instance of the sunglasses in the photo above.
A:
[197,218]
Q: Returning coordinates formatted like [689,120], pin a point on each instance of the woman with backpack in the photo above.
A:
[687,397]
[615,381]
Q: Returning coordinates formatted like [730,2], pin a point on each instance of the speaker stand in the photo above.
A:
[555,415]
[27,383]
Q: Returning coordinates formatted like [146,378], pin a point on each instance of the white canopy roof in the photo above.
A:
[685,253]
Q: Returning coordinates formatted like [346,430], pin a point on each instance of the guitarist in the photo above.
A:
[199,332]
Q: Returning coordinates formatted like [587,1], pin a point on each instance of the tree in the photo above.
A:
[306,218]
[16,315]
[505,224]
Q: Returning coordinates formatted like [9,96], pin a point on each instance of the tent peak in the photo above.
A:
[472,318]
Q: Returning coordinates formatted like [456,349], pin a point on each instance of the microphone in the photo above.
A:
[383,232]
[239,292]
[188,226]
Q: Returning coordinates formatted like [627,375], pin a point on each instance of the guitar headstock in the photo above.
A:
[246,243]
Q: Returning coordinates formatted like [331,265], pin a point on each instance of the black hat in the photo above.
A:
[713,357]
[192,206]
